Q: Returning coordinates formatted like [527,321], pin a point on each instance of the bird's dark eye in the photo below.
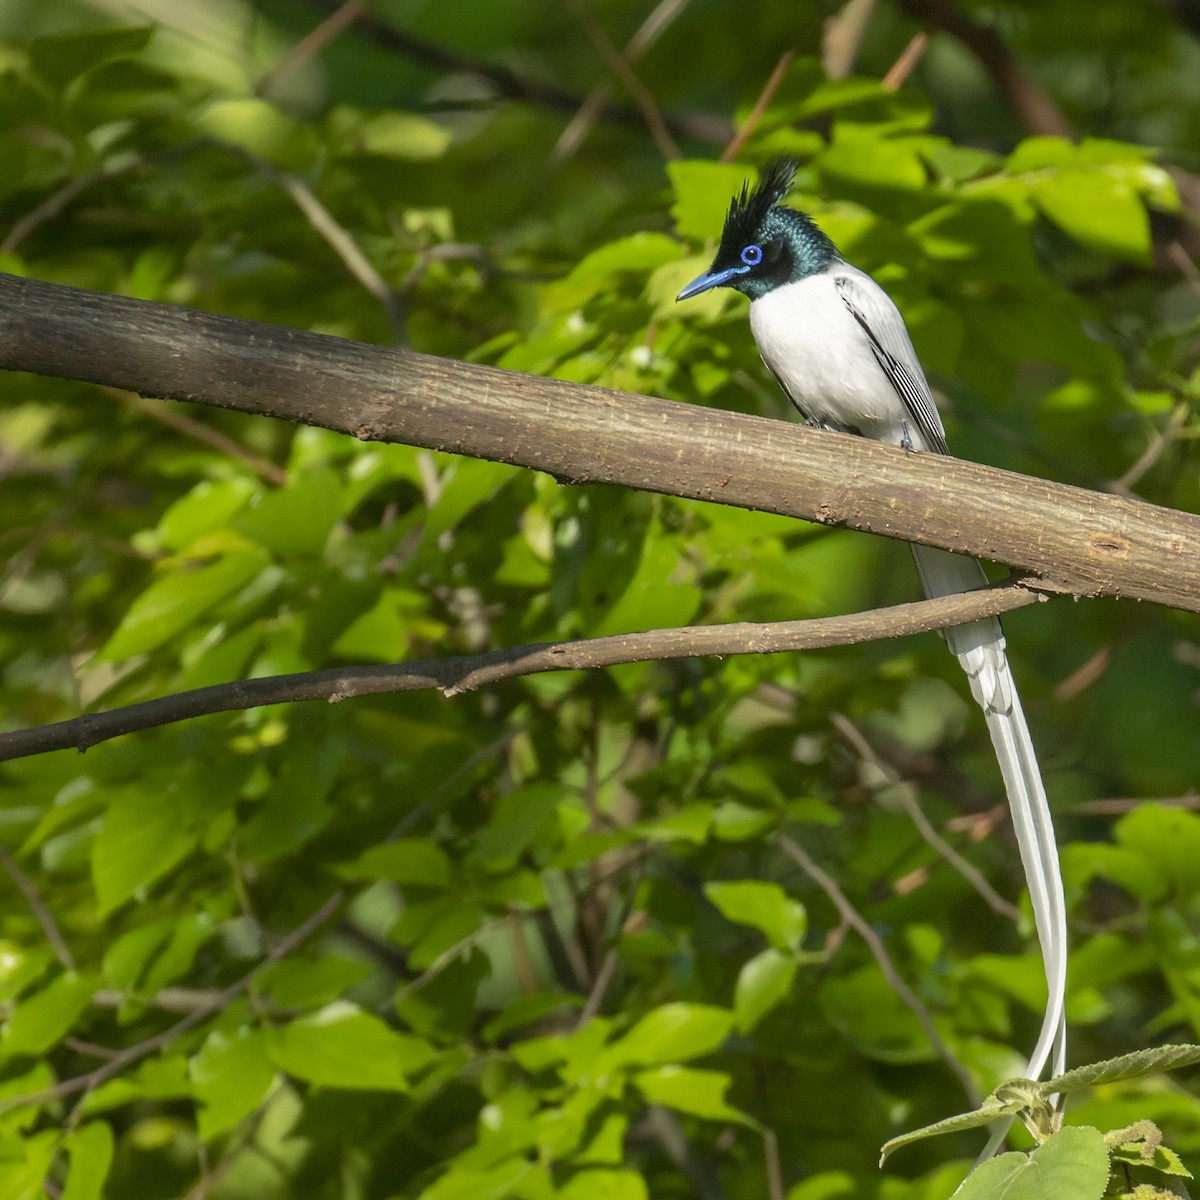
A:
[752,255]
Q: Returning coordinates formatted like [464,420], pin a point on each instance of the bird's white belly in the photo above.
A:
[818,351]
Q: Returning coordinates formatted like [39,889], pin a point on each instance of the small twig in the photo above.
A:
[41,913]
[447,785]
[667,1128]
[90,1049]
[1177,253]
[618,64]
[1034,105]
[705,127]
[312,43]
[761,105]
[464,673]
[774,1170]
[1119,806]
[1124,485]
[604,977]
[55,204]
[173,418]
[343,245]
[661,17]
[211,1176]
[904,66]
[879,952]
[127,1057]
[867,752]
[842,36]
[1084,676]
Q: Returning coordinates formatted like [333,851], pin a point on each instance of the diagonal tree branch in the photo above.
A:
[454,675]
[1066,539]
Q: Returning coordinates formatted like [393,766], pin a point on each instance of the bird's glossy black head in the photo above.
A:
[764,245]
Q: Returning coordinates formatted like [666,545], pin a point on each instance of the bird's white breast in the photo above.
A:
[819,352]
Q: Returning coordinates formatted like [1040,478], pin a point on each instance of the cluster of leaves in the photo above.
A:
[555,947]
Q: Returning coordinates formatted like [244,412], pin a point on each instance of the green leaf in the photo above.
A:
[257,127]
[406,860]
[44,1017]
[231,1076]
[702,192]
[343,1047]
[991,1110]
[295,520]
[859,157]
[519,817]
[762,984]
[388,134]
[828,1185]
[185,592]
[639,253]
[600,1184]
[1099,208]
[26,1164]
[737,822]
[126,958]
[865,1006]
[305,983]
[487,1183]
[297,806]
[60,59]
[1167,840]
[672,1033]
[208,506]
[155,1079]
[1153,1061]
[765,906]
[145,833]
[91,1151]
[686,1089]
[1071,1165]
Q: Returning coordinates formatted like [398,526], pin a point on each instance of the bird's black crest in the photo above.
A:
[750,207]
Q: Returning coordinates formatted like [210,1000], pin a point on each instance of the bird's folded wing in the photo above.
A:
[883,326]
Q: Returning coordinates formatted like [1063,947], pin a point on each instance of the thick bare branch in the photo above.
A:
[454,675]
[1067,539]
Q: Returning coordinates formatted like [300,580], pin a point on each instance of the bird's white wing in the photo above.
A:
[884,328]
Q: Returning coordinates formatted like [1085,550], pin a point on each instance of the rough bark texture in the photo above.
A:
[1068,539]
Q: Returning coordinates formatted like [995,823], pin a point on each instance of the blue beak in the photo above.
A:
[710,280]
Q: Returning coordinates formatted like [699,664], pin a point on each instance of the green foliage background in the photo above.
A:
[571,959]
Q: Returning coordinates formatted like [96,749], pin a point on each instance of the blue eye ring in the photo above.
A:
[752,255]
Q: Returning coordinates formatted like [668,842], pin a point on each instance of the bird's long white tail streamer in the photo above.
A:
[979,648]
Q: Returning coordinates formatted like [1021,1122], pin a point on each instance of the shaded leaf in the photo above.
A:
[341,1046]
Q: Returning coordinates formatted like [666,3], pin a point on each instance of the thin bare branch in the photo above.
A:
[309,46]
[58,202]
[879,952]
[1085,675]
[164,414]
[1124,485]
[43,916]
[618,64]
[468,672]
[127,1057]
[661,17]
[343,245]
[774,1171]
[761,105]
[1037,109]
[904,66]
[916,814]
[842,35]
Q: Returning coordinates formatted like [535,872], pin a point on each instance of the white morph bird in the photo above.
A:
[840,350]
